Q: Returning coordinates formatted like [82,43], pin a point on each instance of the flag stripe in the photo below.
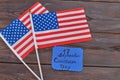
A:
[26,18]
[20,50]
[35,10]
[23,16]
[36,7]
[64,39]
[43,11]
[26,49]
[72,25]
[63,16]
[58,37]
[65,42]
[26,22]
[24,44]
[72,17]
[72,20]
[28,52]
[61,31]
[70,10]
[63,34]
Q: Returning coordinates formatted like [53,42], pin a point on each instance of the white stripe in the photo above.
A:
[62,34]
[71,17]
[26,42]
[39,11]
[33,9]
[62,29]
[64,39]
[71,12]
[26,49]
[26,21]
[24,16]
[73,22]
[46,11]
[28,26]
[21,39]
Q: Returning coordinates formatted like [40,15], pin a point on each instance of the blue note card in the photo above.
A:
[66,58]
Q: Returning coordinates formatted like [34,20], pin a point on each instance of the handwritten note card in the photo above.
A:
[65,58]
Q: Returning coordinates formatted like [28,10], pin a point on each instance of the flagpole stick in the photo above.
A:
[20,58]
[36,47]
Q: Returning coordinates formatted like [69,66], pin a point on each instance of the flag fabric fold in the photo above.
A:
[61,27]
[19,38]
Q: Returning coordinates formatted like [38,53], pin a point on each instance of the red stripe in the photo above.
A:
[25,19]
[21,49]
[27,37]
[28,52]
[37,9]
[28,23]
[72,25]
[69,10]
[65,42]
[30,28]
[71,15]
[43,11]
[63,31]
[26,12]
[62,37]
[71,20]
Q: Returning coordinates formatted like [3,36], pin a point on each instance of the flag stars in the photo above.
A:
[14,31]
[46,21]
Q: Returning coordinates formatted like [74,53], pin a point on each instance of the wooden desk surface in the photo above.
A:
[101,55]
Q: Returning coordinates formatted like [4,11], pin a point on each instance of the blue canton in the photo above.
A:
[14,31]
[45,22]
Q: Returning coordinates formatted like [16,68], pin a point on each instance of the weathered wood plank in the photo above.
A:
[96,0]
[100,18]
[105,26]
[105,0]
[94,10]
[103,50]
[19,72]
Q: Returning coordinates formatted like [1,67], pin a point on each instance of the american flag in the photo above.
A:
[18,37]
[61,27]
[37,8]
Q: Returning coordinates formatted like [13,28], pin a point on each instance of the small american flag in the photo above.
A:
[37,8]
[18,37]
[62,27]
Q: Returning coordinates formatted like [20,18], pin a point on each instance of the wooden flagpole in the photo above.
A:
[36,47]
[20,58]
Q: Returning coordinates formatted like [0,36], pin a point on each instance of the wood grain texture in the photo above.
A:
[103,50]
[105,0]
[19,72]
[102,15]
[101,55]
[108,1]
